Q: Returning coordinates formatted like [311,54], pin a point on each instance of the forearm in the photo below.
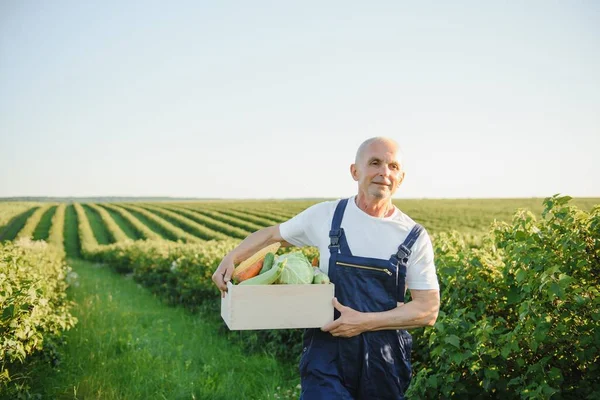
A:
[414,314]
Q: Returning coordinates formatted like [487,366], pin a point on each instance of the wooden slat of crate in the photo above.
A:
[257,307]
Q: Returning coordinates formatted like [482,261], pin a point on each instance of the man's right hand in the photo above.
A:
[223,274]
[254,242]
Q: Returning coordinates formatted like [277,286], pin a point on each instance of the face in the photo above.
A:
[378,170]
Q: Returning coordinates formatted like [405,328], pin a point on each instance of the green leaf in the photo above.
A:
[541,332]
[520,236]
[491,374]
[8,312]
[457,357]
[432,381]
[555,374]
[555,289]
[453,340]
[564,280]
[520,362]
[520,275]
[506,350]
[515,381]
[534,344]
[513,295]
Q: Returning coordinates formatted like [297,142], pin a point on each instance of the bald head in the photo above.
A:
[379,139]
[377,169]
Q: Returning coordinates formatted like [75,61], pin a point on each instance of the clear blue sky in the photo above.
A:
[255,99]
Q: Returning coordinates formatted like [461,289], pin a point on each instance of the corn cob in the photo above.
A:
[251,266]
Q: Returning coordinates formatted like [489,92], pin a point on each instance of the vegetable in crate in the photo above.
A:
[268,277]
[251,266]
[267,263]
[297,271]
[320,277]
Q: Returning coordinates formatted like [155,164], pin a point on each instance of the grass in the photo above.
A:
[101,233]
[72,243]
[42,230]
[129,345]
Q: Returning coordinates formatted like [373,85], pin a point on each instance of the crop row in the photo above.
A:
[33,305]
[202,231]
[219,227]
[33,221]
[10,210]
[141,230]
[57,228]
[115,231]
[261,221]
[189,223]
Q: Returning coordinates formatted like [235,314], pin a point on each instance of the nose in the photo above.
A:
[384,170]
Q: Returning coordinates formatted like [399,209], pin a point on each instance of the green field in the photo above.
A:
[130,343]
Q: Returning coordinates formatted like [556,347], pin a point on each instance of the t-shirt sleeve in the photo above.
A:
[301,229]
[420,272]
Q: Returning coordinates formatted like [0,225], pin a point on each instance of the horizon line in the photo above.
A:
[108,198]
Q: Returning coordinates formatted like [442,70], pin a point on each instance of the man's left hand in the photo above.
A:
[350,323]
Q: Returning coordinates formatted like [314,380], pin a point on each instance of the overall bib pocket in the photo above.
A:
[366,285]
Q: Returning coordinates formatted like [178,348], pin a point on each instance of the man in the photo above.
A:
[372,252]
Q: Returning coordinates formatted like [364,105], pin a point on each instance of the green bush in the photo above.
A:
[520,315]
[180,272]
[33,305]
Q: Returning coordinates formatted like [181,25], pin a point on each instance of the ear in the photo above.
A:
[354,172]
[401,178]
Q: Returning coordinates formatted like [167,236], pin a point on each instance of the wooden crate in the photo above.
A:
[277,306]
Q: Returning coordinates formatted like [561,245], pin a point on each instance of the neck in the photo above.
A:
[380,208]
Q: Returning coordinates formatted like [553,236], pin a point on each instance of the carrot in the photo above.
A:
[251,266]
[249,272]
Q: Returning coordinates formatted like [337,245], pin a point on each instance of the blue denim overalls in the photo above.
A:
[372,365]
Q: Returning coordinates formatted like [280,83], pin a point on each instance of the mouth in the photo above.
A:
[382,185]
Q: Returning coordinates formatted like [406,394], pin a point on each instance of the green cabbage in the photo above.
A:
[297,271]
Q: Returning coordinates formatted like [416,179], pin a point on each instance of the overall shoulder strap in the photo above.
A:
[337,239]
[400,259]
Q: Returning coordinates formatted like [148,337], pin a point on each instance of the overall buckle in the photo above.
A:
[403,253]
[334,236]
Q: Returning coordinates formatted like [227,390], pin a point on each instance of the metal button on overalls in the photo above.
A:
[372,365]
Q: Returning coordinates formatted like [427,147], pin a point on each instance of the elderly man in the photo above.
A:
[372,252]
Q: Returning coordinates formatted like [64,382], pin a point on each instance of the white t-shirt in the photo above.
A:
[367,236]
